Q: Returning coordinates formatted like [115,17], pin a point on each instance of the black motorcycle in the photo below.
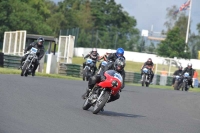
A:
[88,70]
[146,75]
[184,84]
[28,64]
[177,82]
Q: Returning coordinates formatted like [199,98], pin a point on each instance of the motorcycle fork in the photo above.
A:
[30,63]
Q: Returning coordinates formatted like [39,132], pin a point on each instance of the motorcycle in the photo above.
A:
[88,70]
[146,75]
[184,85]
[28,64]
[177,81]
[102,91]
[101,65]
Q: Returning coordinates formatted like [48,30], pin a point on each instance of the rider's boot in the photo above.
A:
[33,73]
[85,95]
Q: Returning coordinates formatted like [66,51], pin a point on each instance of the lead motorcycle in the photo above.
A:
[146,75]
[28,64]
[184,85]
[102,92]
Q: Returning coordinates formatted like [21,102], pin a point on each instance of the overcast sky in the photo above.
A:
[153,12]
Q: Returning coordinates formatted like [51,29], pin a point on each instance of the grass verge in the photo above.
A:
[16,71]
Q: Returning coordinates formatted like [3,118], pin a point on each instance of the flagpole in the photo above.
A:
[188,26]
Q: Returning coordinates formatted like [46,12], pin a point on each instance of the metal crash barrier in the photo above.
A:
[11,61]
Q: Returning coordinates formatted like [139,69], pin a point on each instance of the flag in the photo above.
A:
[184,6]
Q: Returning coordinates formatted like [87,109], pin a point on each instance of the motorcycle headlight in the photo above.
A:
[114,83]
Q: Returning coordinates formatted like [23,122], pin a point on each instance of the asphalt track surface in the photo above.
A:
[47,105]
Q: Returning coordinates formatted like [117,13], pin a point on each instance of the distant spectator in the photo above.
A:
[163,77]
[195,79]
[164,72]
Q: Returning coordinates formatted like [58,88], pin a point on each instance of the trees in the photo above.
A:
[19,15]
[115,27]
[174,45]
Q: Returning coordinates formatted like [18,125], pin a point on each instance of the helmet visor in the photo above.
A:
[119,55]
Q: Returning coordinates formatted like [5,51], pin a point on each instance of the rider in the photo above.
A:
[94,56]
[118,66]
[177,72]
[40,53]
[105,56]
[113,56]
[149,64]
[191,71]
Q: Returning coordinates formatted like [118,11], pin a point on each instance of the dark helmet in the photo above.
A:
[180,67]
[119,64]
[40,41]
[149,60]
[94,51]
[189,65]
[120,52]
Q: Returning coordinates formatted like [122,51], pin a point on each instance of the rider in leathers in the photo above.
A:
[40,52]
[177,72]
[118,66]
[150,65]
[190,70]
[94,56]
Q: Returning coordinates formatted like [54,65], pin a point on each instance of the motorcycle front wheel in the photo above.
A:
[176,85]
[143,79]
[86,104]
[85,74]
[24,68]
[101,102]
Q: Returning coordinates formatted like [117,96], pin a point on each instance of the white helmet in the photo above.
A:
[189,65]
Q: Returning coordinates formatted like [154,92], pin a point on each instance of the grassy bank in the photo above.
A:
[15,71]
[132,66]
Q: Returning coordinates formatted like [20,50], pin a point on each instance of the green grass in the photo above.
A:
[132,66]
[15,71]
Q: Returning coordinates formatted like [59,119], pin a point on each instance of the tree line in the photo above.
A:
[103,18]
[98,23]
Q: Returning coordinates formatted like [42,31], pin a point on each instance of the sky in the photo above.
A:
[153,12]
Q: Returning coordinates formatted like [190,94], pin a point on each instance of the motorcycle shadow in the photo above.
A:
[116,114]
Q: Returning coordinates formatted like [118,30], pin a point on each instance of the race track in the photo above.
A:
[47,105]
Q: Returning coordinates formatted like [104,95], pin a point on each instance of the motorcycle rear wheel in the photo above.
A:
[101,103]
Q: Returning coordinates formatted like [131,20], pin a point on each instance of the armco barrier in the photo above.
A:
[70,69]
[131,77]
[11,61]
